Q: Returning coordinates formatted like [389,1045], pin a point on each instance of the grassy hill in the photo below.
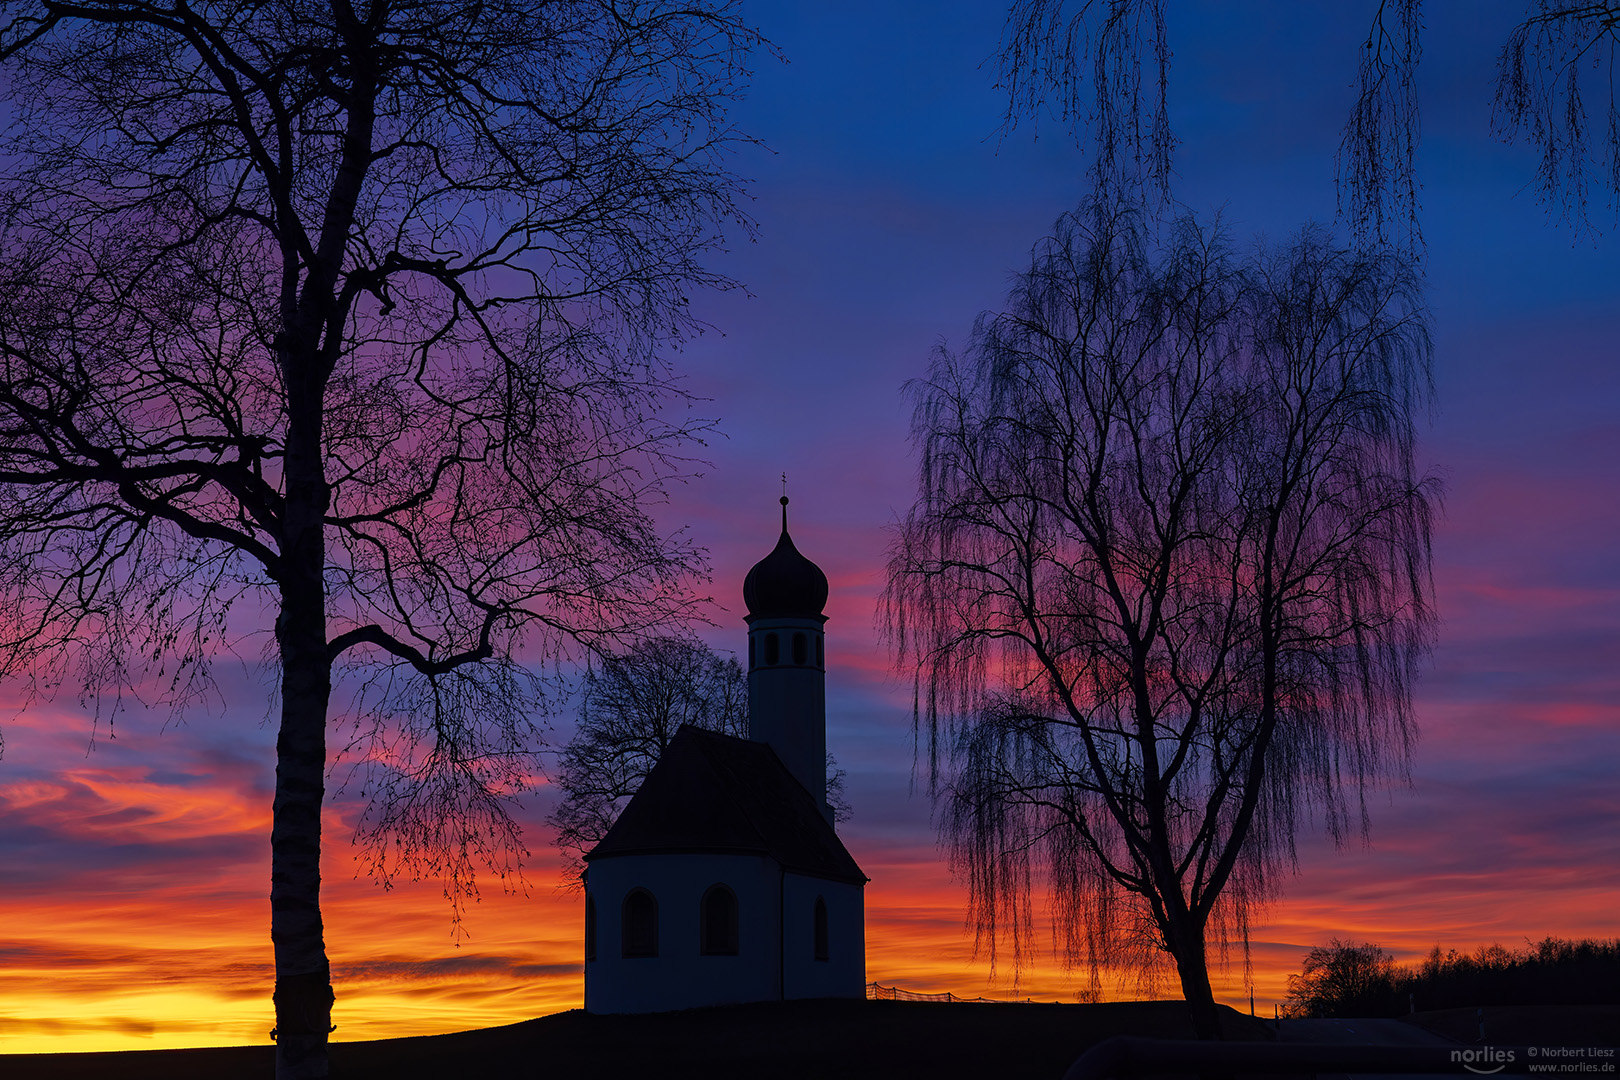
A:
[879,1040]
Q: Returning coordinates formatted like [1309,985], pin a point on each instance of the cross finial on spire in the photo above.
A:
[784,502]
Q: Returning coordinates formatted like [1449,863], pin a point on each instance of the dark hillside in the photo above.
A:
[1526,1025]
[880,1040]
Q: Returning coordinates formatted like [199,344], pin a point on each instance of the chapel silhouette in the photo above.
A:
[723,880]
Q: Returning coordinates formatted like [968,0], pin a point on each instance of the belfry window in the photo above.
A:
[821,929]
[750,652]
[639,924]
[590,928]
[819,661]
[800,649]
[718,933]
[773,649]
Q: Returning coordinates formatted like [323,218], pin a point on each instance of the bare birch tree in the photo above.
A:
[356,312]
[1164,589]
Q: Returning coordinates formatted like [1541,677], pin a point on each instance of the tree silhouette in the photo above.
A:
[359,312]
[1342,979]
[1165,585]
[632,705]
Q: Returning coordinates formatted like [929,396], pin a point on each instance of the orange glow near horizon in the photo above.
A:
[138,918]
[141,921]
[189,964]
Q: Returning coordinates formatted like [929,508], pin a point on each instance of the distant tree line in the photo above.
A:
[1340,979]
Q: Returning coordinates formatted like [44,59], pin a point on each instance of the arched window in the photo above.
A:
[800,650]
[819,661]
[821,929]
[718,933]
[590,928]
[640,924]
[773,649]
[750,652]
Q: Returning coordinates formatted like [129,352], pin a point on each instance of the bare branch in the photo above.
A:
[633,703]
[1551,61]
[1053,51]
[1376,167]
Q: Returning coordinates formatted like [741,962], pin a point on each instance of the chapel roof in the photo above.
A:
[712,793]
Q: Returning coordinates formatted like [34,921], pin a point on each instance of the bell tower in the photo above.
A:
[787,667]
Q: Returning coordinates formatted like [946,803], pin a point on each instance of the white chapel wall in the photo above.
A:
[843,973]
[680,977]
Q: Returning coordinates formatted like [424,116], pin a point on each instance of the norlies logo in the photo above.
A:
[1487,1055]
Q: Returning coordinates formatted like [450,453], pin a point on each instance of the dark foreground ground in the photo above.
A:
[860,1040]
[1527,1025]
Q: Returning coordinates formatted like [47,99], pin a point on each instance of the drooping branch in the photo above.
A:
[1376,167]
[1054,51]
[1549,65]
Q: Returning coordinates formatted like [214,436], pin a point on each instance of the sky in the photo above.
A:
[134,870]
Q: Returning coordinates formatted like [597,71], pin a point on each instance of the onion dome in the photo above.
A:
[785,584]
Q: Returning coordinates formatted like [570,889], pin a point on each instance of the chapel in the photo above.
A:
[724,880]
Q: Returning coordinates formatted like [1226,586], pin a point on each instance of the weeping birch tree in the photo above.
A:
[1164,590]
[356,314]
